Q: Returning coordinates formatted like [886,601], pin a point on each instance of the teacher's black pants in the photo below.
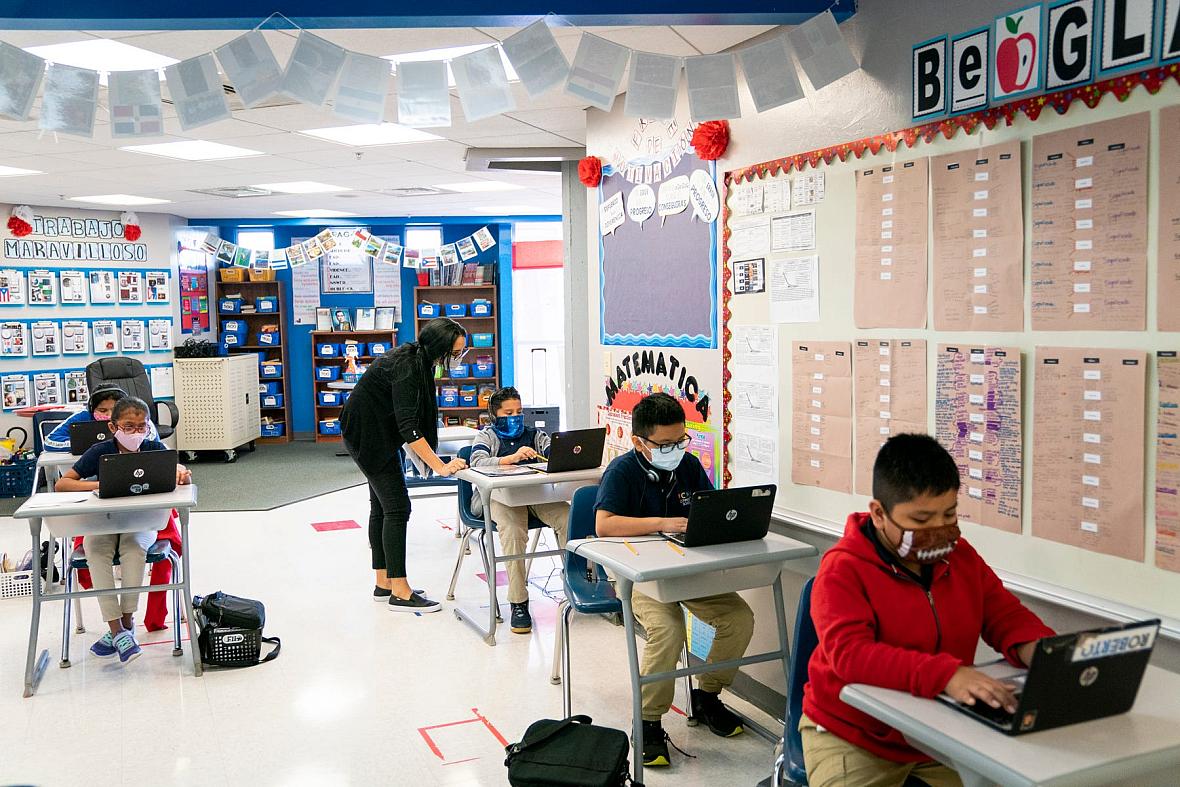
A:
[389,517]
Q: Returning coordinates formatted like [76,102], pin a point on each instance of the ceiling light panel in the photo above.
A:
[120,200]
[194,150]
[370,134]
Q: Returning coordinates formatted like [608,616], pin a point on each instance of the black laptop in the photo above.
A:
[1073,678]
[140,473]
[726,516]
[86,433]
[577,449]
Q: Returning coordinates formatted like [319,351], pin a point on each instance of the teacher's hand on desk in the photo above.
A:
[451,467]
[183,475]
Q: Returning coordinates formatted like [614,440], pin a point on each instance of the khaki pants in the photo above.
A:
[512,522]
[834,762]
[727,613]
[100,556]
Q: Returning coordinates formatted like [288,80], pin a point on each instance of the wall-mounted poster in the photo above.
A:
[16,391]
[46,389]
[75,338]
[42,288]
[156,285]
[73,287]
[46,338]
[12,288]
[106,336]
[131,335]
[159,335]
[343,267]
[14,340]
[193,267]
[102,287]
[130,287]
[77,391]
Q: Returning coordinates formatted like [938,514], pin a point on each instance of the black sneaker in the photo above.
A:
[415,603]
[522,621]
[383,594]
[721,720]
[655,745]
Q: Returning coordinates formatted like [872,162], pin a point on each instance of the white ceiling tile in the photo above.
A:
[27,38]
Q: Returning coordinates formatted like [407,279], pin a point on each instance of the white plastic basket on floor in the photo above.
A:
[15,584]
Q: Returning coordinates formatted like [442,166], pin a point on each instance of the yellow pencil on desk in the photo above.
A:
[628,545]
[675,548]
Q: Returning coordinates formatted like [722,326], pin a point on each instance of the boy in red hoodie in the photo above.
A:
[901,601]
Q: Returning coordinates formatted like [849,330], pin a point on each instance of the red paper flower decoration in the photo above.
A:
[590,171]
[131,229]
[20,223]
[710,139]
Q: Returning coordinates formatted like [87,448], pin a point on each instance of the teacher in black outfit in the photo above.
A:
[393,405]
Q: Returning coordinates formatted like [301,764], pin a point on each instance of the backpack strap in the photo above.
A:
[274,653]
[517,748]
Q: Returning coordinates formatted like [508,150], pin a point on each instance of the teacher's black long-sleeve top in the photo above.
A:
[393,403]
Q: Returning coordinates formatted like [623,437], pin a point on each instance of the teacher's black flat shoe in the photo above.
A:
[415,603]
[383,594]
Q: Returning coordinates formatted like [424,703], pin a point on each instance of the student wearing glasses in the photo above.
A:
[644,493]
[131,429]
[394,405]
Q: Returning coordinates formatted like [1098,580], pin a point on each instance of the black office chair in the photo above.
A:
[130,375]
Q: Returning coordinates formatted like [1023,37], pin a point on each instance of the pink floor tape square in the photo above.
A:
[464,740]
[341,524]
[501,577]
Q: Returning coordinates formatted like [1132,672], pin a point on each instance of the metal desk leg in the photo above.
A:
[623,588]
[486,543]
[35,663]
[188,595]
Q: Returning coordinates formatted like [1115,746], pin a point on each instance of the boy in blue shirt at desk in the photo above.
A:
[129,420]
[644,493]
[507,442]
[98,408]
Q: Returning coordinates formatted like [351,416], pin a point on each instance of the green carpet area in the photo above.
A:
[271,476]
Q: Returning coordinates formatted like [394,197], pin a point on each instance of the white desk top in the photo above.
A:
[56,458]
[456,434]
[1143,741]
[487,482]
[58,504]
[657,560]
[340,385]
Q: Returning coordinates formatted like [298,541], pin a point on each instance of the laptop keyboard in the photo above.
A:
[996,715]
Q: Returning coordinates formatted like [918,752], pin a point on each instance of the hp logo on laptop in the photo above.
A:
[137,472]
[103,435]
[731,515]
[577,450]
[1088,676]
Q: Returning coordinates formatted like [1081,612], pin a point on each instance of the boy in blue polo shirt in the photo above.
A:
[98,408]
[647,492]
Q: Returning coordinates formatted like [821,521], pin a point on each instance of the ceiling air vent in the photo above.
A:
[233,192]
[414,191]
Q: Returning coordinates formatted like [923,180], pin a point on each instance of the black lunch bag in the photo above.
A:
[569,753]
[231,631]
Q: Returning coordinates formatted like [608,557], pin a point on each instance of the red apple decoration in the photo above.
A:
[1015,57]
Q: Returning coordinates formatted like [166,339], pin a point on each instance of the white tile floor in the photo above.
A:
[359,696]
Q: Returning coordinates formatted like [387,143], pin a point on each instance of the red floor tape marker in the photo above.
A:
[501,577]
[478,719]
[342,524]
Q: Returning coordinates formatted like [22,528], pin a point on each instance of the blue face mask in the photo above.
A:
[667,461]
[509,426]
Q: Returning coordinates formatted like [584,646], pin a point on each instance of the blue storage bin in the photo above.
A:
[378,348]
[271,370]
[330,426]
[327,350]
[481,308]
[483,340]
[351,377]
[329,398]
[426,309]
[272,339]
[273,430]
[456,309]
[272,400]
[268,388]
[233,326]
[327,373]
[483,370]
[467,400]
[233,339]
[230,305]
[448,398]
[266,304]
[459,370]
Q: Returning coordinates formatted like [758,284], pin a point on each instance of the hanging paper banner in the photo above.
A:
[597,71]
[313,68]
[251,67]
[484,239]
[242,257]
[391,253]
[769,74]
[423,96]
[821,50]
[411,258]
[450,256]
[712,87]
[261,260]
[466,247]
[360,94]
[135,106]
[483,84]
[536,58]
[295,256]
[652,86]
[20,79]
[278,260]
[70,100]
[196,92]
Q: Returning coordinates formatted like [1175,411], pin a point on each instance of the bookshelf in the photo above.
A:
[464,294]
[251,291]
[332,411]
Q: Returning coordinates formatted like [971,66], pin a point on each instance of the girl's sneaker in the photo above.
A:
[128,648]
[105,647]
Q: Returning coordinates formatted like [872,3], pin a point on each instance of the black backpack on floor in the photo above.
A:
[231,631]
[569,753]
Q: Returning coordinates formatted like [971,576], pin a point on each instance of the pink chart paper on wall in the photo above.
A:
[890,394]
[821,434]
[891,239]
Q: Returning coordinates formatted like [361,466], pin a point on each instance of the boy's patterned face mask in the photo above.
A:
[926,545]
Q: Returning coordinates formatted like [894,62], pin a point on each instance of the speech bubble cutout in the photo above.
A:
[611,214]
[703,193]
[673,197]
[641,203]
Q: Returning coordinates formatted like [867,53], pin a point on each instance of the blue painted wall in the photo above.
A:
[298,337]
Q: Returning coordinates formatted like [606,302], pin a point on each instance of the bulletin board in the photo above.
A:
[1125,576]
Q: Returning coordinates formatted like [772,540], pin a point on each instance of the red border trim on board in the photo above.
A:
[1121,87]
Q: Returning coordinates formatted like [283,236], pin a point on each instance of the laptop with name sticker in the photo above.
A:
[86,433]
[726,516]
[140,473]
[1075,677]
[576,449]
